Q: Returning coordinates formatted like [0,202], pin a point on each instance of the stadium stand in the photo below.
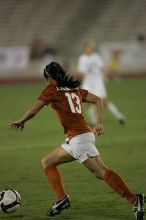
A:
[66,22]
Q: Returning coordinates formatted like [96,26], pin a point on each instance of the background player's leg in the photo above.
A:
[112,108]
[49,164]
[97,167]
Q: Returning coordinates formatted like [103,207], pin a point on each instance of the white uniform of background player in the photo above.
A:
[91,66]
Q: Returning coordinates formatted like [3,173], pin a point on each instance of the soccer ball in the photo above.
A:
[10,200]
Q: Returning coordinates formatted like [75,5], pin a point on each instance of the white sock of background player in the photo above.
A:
[114,111]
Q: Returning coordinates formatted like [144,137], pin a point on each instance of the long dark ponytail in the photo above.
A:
[55,71]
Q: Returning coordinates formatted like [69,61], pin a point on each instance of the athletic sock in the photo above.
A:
[118,184]
[55,181]
[92,115]
[114,111]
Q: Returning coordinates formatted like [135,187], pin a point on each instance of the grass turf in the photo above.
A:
[122,148]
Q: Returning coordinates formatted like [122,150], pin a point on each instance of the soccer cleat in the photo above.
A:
[138,207]
[59,206]
[122,120]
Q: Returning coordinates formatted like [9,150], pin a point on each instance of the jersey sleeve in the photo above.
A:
[47,95]
[84,94]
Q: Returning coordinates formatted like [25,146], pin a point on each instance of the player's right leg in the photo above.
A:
[49,164]
[56,157]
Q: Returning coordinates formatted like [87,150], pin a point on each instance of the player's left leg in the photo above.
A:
[116,182]
[49,164]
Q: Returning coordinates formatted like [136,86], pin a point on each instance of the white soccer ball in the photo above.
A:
[10,200]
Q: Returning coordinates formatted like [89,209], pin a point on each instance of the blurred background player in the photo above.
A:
[91,70]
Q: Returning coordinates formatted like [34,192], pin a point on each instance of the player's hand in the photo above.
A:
[17,126]
[99,129]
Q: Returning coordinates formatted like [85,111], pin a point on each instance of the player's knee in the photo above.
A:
[48,161]
[45,162]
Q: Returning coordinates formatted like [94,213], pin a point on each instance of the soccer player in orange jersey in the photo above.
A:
[65,97]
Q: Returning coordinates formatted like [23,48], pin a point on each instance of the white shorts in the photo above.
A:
[81,147]
[95,87]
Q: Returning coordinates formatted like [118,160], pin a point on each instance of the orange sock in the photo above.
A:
[119,185]
[55,180]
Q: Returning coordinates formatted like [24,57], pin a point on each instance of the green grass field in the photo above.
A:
[122,148]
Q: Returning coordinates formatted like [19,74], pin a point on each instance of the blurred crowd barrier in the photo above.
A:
[14,58]
[122,59]
[125,58]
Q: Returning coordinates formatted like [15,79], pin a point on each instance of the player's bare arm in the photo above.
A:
[91,98]
[19,124]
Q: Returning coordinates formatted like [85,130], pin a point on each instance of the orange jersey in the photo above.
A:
[67,103]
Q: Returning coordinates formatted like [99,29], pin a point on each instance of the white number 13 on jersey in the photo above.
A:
[70,98]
